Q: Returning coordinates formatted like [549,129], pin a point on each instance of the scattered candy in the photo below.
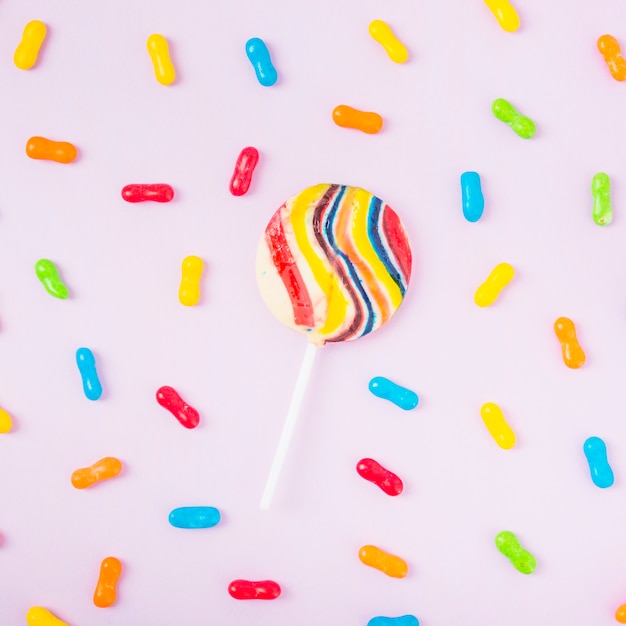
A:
[261,61]
[601,190]
[244,168]
[394,48]
[573,354]
[347,117]
[170,399]
[374,472]
[601,472]
[49,276]
[522,560]
[47,150]
[6,423]
[38,616]
[609,48]
[472,196]
[496,425]
[157,192]
[620,614]
[160,54]
[506,112]
[27,51]
[254,590]
[400,396]
[106,588]
[389,564]
[505,13]
[108,467]
[189,290]
[194,517]
[86,362]
[403,620]
[501,275]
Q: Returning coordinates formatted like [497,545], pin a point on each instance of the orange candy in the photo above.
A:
[573,354]
[347,117]
[105,468]
[610,50]
[48,150]
[620,614]
[389,564]
[106,589]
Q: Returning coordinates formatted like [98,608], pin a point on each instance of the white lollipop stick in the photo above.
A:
[290,423]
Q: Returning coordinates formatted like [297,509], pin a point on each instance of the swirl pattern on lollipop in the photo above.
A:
[334,263]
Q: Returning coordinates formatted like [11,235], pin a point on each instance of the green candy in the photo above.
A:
[508,114]
[601,190]
[522,560]
[49,276]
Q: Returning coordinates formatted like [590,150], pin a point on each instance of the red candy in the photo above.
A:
[254,590]
[242,177]
[169,398]
[374,472]
[141,193]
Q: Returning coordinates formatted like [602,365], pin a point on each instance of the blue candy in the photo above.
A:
[403,620]
[400,396]
[472,196]
[194,517]
[260,58]
[87,367]
[601,472]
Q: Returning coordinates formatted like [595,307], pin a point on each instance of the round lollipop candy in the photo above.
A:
[334,263]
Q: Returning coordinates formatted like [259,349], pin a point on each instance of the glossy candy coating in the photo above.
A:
[194,517]
[610,49]
[620,614]
[522,560]
[599,468]
[86,362]
[334,263]
[27,51]
[374,472]
[170,399]
[505,13]
[244,168]
[159,52]
[601,191]
[522,126]
[254,590]
[157,192]
[387,563]
[365,121]
[189,290]
[382,387]
[103,469]
[38,616]
[259,56]
[49,276]
[106,587]
[487,293]
[47,150]
[402,620]
[573,354]
[382,33]
[496,424]
[472,196]
[6,423]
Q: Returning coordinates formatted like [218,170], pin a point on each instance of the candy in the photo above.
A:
[38,616]
[6,423]
[601,472]
[506,112]
[387,563]
[194,517]
[487,293]
[620,614]
[403,620]
[48,150]
[49,276]
[170,399]
[472,196]
[573,354]
[106,588]
[395,49]
[505,13]
[189,290]
[254,590]
[259,56]
[87,367]
[601,190]
[157,192]
[27,51]
[400,396]
[610,49]
[347,117]
[108,467]
[244,168]
[374,472]
[495,422]
[522,560]
[159,52]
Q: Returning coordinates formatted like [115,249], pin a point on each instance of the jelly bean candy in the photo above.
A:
[401,396]
[403,620]
[505,13]
[609,48]
[254,590]
[620,614]
[347,117]
[27,51]
[389,564]
[158,192]
[194,517]
[601,190]
[601,472]
[49,276]
[106,588]
[501,275]
[506,112]
[189,290]
[573,354]
[159,52]
[472,196]
[6,423]
[244,168]
[108,467]
[86,362]
[395,49]
[47,150]
[259,56]
[38,616]
[496,425]
[169,399]
[522,560]
[374,472]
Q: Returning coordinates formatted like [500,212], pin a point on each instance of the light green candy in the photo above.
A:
[49,276]
[508,114]
[522,560]
[601,190]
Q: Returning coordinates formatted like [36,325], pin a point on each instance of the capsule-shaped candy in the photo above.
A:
[170,399]
[86,362]
[522,560]
[620,614]
[573,354]
[189,290]
[382,33]
[387,563]
[365,121]
[38,616]
[153,192]
[259,56]
[254,590]
[382,387]
[597,458]
[487,293]
[27,51]
[602,212]
[505,13]
[610,49]
[106,587]
[108,467]
[244,168]
[523,126]
[374,472]
[496,424]
[49,276]
[159,52]
[402,620]
[194,517]
[472,196]
[6,423]
[47,150]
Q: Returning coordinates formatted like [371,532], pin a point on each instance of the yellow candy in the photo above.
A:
[383,34]
[494,420]
[5,422]
[499,278]
[189,291]
[505,13]
[160,55]
[38,616]
[26,53]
